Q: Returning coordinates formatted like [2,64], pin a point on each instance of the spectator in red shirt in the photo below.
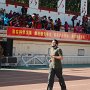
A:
[58,24]
[85,23]
[78,28]
[39,25]
[66,26]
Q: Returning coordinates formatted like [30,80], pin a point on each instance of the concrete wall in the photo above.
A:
[33,47]
[72,49]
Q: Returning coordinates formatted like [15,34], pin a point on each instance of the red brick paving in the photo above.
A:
[75,78]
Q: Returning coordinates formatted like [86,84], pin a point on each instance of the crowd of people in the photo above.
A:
[29,21]
[84,28]
[35,21]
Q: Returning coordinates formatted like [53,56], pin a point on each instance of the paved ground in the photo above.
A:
[76,79]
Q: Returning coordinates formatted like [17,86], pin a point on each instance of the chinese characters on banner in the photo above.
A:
[29,32]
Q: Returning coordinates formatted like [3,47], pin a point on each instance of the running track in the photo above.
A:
[14,79]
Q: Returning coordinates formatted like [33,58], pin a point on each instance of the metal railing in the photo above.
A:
[44,60]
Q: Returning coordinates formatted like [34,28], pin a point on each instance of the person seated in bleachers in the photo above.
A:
[52,24]
[29,20]
[55,25]
[78,28]
[44,22]
[66,26]
[1,22]
[58,24]
[10,15]
[24,10]
[73,19]
[85,23]
[39,25]
[88,31]
[6,20]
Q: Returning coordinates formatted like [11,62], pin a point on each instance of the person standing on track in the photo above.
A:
[55,66]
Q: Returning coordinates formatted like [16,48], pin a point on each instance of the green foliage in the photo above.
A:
[21,1]
[73,6]
[88,7]
[18,1]
[50,4]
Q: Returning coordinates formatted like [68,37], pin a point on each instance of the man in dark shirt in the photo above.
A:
[73,19]
[24,10]
[55,67]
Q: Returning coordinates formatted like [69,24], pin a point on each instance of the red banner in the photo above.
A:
[29,32]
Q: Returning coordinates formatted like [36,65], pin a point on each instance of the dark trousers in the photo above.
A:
[58,73]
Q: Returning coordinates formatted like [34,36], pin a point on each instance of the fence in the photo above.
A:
[44,60]
[41,60]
